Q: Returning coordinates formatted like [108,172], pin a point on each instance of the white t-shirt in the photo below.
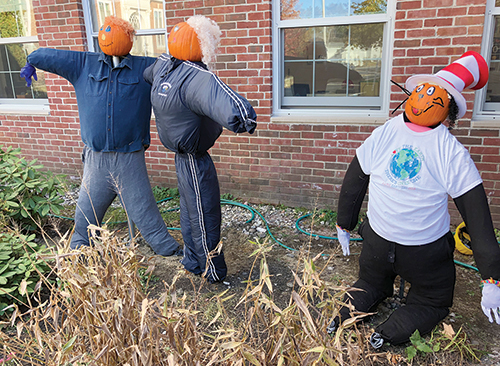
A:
[411,175]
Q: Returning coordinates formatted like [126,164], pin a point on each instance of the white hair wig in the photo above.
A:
[208,33]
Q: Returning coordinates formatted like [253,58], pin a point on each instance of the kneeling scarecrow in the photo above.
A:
[410,165]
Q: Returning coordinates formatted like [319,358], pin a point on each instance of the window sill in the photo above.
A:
[366,118]
[23,110]
[485,121]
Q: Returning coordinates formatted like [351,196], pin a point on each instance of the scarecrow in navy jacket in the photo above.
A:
[191,106]
[115,115]
[410,165]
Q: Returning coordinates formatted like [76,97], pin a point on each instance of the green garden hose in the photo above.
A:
[254,212]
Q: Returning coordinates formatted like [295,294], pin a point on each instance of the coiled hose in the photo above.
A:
[254,212]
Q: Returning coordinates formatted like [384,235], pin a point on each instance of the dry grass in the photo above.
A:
[97,313]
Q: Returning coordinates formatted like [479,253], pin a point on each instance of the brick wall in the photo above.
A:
[297,164]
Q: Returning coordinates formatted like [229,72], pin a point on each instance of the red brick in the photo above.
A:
[480,10]
[421,52]
[407,5]
[469,20]
[410,43]
[437,4]
[421,13]
[451,31]
[438,22]
[467,40]
[408,24]
[422,33]
[436,42]
[451,12]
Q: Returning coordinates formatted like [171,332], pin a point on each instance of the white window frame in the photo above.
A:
[92,35]
[336,108]
[17,105]
[160,40]
[481,117]
[111,8]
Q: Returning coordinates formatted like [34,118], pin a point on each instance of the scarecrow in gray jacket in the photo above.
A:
[192,105]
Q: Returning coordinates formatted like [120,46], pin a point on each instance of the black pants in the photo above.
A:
[200,215]
[428,268]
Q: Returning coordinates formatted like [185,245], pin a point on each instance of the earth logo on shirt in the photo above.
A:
[405,165]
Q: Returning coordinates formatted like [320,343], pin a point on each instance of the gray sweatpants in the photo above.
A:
[108,174]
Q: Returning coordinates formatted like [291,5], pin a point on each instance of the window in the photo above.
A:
[487,102]
[18,38]
[147,18]
[331,54]
[158,23]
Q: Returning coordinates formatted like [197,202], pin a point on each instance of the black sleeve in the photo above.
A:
[474,208]
[351,197]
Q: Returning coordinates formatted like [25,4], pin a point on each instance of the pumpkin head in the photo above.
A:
[115,36]
[183,43]
[428,105]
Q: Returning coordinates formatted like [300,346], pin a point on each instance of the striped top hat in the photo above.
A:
[470,71]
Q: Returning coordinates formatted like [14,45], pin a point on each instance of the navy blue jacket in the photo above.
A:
[113,103]
[192,105]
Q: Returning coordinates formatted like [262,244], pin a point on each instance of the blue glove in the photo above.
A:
[490,302]
[343,237]
[27,72]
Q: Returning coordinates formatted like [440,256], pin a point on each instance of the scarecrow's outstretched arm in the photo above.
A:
[474,208]
[65,63]
[210,97]
[351,197]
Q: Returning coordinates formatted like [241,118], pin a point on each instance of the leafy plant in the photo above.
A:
[446,341]
[20,267]
[146,277]
[27,194]
[328,216]
[162,193]
[227,196]
[420,345]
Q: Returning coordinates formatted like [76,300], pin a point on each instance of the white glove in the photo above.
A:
[343,237]
[491,302]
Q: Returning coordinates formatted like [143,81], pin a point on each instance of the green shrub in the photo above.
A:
[162,193]
[227,196]
[20,264]
[27,194]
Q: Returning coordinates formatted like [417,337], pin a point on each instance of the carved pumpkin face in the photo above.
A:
[113,39]
[428,105]
[183,43]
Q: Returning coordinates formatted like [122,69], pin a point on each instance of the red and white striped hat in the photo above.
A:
[470,71]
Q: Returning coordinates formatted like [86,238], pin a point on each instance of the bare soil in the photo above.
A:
[466,312]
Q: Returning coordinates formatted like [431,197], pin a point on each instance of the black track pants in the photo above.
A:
[200,212]
[428,268]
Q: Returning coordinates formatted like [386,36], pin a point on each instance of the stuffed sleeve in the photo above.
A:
[473,206]
[65,63]
[210,97]
[352,194]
